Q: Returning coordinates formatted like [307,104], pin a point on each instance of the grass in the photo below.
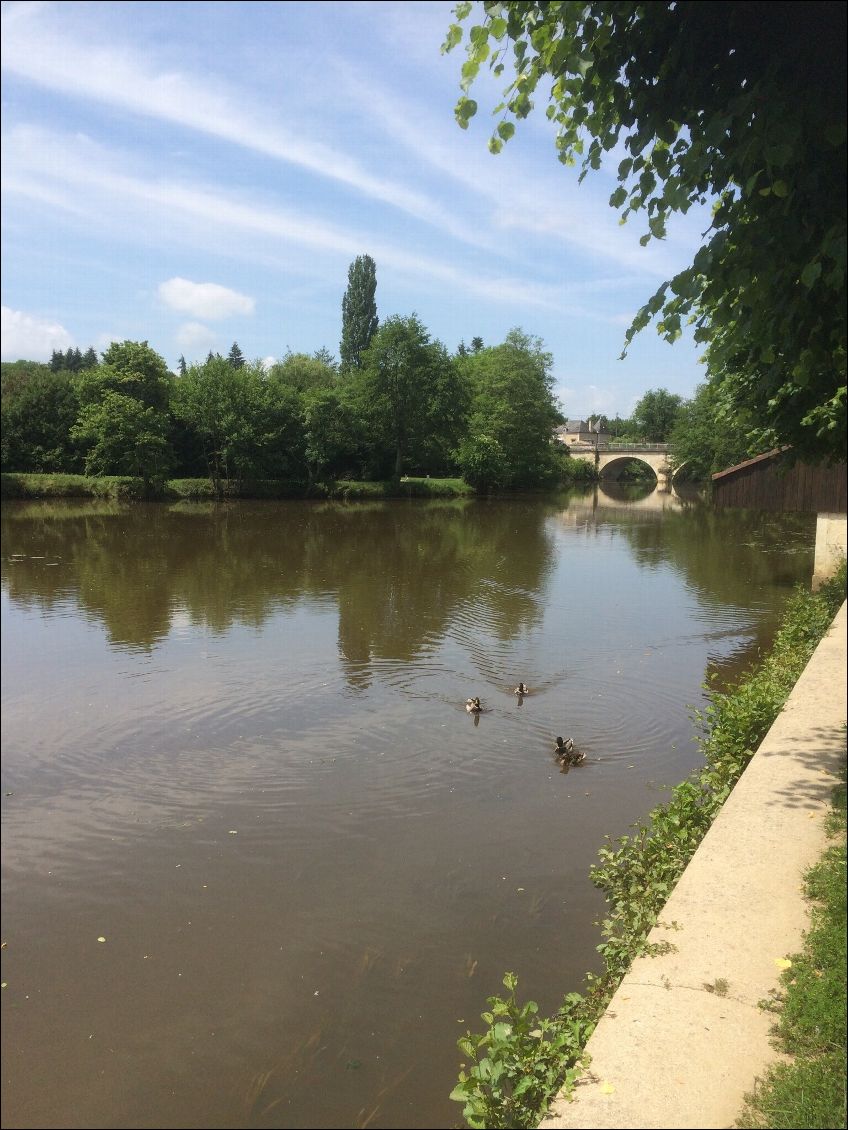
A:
[127,488]
[811,1090]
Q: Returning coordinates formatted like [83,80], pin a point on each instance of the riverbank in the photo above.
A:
[516,1070]
[126,488]
[685,1037]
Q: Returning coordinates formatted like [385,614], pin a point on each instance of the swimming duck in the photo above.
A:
[566,754]
[521,689]
[472,705]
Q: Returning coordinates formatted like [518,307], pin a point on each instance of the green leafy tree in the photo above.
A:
[476,344]
[235,357]
[709,434]
[123,436]
[182,367]
[39,408]
[655,413]
[332,438]
[746,109]
[410,392]
[359,311]
[301,372]
[90,359]
[123,420]
[482,462]
[513,404]
[325,356]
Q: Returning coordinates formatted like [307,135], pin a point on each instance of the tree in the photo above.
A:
[89,360]
[476,344]
[709,435]
[655,413]
[123,436]
[409,391]
[123,416]
[302,372]
[235,357]
[39,408]
[513,405]
[182,366]
[745,108]
[359,311]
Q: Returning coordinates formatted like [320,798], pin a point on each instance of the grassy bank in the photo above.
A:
[129,489]
[810,1091]
[519,1062]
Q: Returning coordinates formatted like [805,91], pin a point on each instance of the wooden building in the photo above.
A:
[773,482]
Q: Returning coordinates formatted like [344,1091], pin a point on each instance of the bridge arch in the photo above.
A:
[613,468]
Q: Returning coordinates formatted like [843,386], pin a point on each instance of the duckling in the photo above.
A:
[473,706]
[521,689]
[563,749]
[566,754]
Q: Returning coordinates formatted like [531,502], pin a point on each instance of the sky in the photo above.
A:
[194,174]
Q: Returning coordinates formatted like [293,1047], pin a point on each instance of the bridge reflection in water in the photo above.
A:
[627,498]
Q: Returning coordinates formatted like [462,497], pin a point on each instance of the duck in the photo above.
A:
[472,705]
[566,754]
[521,689]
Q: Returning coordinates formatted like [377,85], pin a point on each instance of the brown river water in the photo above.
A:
[235,747]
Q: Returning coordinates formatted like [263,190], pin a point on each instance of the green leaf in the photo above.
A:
[618,197]
[463,10]
[498,27]
[780,188]
[506,130]
[811,273]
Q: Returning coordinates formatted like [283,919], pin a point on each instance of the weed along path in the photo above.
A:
[684,1036]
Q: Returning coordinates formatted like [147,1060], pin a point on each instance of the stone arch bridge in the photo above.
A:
[610,459]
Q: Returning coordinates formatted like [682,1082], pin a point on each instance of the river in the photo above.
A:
[260,866]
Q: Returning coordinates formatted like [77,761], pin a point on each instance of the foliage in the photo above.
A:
[39,408]
[122,436]
[235,357]
[304,373]
[132,369]
[74,486]
[655,414]
[747,111]
[513,404]
[482,461]
[359,311]
[810,1091]
[248,427]
[331,434]
[708,436]
[122,423]
[637,872]
[520,1062]
[72,361]
[409,390]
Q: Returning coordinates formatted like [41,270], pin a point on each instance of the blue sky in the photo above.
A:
[195,174]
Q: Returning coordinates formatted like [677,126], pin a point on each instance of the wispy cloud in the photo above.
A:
[118,77]
[25,336]
[86,174]
[204,300]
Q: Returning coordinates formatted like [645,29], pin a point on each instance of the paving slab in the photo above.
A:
[672,1051]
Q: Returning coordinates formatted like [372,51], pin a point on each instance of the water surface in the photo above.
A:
[235,747]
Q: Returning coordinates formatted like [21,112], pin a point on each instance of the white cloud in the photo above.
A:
[193,335]
[268,363]
[204,300]
[31,339]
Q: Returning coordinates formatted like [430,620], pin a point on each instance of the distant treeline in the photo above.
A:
[402,405]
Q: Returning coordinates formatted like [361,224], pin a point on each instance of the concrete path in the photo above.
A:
[668,1052]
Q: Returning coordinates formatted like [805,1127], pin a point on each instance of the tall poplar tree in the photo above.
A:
[359,311]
